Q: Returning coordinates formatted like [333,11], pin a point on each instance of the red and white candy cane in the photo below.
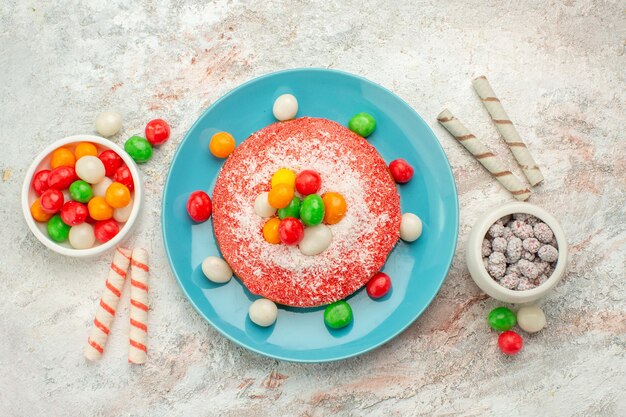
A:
[108,304]
[138,334]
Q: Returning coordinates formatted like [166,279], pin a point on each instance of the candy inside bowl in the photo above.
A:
[517,252]
[91,196]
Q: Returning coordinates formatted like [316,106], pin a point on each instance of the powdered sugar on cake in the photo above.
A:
[361,241]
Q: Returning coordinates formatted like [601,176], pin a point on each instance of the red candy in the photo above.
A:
[401,171]
[510,343]
[199,206]
[61,178]
[379,285]
[106,230]
[40,181]
[111,161]
[308,182]
[73,213]
[123,176]
[291,231]
[157,132]
[51,200]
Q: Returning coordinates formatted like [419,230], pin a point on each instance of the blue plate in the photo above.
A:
[417,270]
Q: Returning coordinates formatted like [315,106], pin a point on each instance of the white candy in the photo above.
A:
[90,169]
[100,188]
[216,270]
[262,207]
[410,227]
[122,214]
[82,236]
[285,107]
[108,123]
[263,312]
[531,318]
[316,240]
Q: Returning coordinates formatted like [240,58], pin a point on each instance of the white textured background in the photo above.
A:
[559,68]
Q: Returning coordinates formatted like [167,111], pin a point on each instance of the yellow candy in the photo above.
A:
[284,176]
[270,231]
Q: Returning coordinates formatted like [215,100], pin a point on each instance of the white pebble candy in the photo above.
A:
[316,240]
[262,207]
[216,270]
[100,188]
[531,318]
[410,227]
[263,312]
[90,169]
[122,214]
[82,236]
[285,107]
[108,123]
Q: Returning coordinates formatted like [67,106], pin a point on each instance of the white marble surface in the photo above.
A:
[557,65]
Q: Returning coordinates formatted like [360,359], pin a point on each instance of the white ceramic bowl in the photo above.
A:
[475,261]
[42,161]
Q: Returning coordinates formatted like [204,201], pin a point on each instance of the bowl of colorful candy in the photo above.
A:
[81,195]
[517,252]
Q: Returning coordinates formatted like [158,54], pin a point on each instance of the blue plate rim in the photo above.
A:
[279,357]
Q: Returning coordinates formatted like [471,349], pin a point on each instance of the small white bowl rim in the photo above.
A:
[474,250]
[137,199]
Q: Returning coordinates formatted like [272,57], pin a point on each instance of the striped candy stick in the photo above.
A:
[488,159]
[138,333]
[507,130]
[108,303]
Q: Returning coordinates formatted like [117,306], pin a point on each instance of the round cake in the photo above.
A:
[361,241]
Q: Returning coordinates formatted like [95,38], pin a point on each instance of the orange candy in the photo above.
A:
[62,157]
[38,214]
[222,144]
[334,207]
[99,209]
[85,149]
[270,231]
[117,195]
[280,196]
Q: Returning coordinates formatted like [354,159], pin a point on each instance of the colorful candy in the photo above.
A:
[502,319]
[139,149]
[157,132]
[111,161]
[85,149]
[81,191]
[410,227]
[123,176]
[316,240]
[531,318]
[379,285]
[338,315]
[90,169]
[117,195]
[62,157]
[270,231]
[99,209]
[57,230]
[363,124]
[284,176]
[510,343]
[262,206]
[285,107]
[292,210]
[312,210]
[51,200]
[40,181]
[199,206]
[263,312]
[82,236]
[401,171]
[308,182]
[38,213]
[61,178]
[280,196]
[216,270]
[74,213]
[334,207]
[222,144]
[122,214]
[101,188]
[291,231]
[108,123]
[106,230]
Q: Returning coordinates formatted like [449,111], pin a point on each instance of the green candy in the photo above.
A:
[363,124]
[81,191]
[312,210]
[292,210]
[138,148]
[338,315]
[57,230]
[502,319]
